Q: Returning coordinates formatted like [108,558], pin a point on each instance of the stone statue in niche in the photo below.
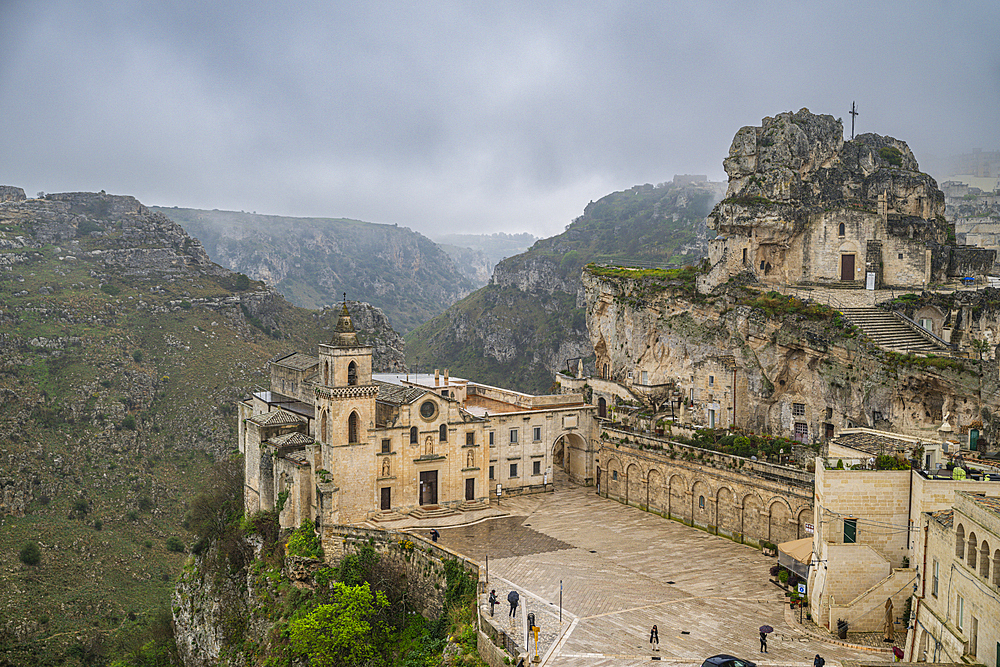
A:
[470,459]
[429,446]
[386,467]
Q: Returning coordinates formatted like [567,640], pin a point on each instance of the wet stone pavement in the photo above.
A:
[623,570]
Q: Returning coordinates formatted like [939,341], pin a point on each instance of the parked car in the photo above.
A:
[723,660]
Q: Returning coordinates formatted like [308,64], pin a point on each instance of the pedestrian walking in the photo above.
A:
[434,534]
[512,598]
[763,642]
[818,661]
[493,600]
[654,638]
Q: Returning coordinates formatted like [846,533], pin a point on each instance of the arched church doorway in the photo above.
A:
[602,408]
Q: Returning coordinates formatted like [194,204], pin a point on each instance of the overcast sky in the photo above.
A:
[467,116]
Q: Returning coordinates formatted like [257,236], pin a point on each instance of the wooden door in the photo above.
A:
[470,488]
[428,487]
[847,267]
[386,498]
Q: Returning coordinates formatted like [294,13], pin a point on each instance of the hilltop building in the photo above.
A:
[806,207]
[332,442]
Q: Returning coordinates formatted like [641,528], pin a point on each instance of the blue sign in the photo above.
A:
[802,589]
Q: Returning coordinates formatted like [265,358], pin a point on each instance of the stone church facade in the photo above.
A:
[332,442]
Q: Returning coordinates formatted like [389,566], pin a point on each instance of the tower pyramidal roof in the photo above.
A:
[344,335]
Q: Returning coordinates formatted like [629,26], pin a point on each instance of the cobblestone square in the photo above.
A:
[623,570]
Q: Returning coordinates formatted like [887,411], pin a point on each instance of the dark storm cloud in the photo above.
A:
[461,116]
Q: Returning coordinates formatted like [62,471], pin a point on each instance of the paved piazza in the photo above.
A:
[623,570]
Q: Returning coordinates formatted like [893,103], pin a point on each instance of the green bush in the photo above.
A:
[891,155]
[175,544]
[30,554]
[111,290]
[128,423]
[138,356]
[148,544]
[304,542]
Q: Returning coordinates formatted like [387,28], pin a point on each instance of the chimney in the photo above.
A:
[446,377]
[437,377]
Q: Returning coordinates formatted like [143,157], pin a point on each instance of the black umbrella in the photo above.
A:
[766,629]
[513,596]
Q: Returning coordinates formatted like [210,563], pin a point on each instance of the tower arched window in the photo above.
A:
[443,433]
[841,229]
[324,432]
[960,542]
[352,427]
[326,373]
[413,435]
[352,373]
[606,373]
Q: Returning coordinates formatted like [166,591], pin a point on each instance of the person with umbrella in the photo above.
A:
[764,629]
[512,598]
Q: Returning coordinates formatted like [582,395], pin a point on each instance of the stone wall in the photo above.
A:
[421,560]
[969,261]
[748,501]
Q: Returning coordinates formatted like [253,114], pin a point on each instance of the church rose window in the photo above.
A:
[427,409]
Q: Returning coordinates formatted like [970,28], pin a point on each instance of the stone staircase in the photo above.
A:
[432,512]
[889,332]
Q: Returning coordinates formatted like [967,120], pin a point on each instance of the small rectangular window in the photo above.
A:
[934,584]
[536,467]
[614,475]
[711,380]
[470,438]
[513,436]
[513,470]
[536,434]
[386,445]
[850,531]
[492,434]
[801,431]
[959,612]
[798,409]
[901,255]
[491,472]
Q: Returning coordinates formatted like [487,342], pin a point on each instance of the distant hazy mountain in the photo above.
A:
[313,261]
[530,319]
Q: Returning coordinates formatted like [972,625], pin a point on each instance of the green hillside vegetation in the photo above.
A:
[313,261]
[119,388]
[525,324]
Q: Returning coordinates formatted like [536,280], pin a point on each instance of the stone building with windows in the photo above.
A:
[332,442]
[957,603]
[866,544]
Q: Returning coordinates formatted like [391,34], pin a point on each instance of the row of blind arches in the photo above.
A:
[977,555]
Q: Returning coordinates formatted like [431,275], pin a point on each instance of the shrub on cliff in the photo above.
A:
[346,632]
[304,542]
[31,554]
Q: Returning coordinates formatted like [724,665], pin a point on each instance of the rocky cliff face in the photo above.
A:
[529,321]
[313,261]
[797,164]
[780,360]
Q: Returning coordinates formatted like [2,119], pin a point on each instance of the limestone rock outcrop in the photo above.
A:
[805,206]
[753,368]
